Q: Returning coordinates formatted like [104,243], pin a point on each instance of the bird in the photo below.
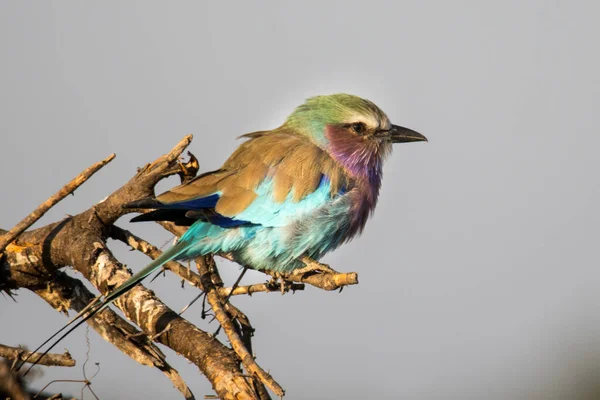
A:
[285,197]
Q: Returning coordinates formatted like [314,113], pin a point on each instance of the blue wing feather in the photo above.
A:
[267,212]
[264,210]
[258,239]
[198,203]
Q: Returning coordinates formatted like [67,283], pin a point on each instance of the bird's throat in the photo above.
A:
[361,157]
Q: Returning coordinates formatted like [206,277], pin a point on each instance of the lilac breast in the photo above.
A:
[362,159]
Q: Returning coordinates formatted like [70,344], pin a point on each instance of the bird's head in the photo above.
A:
[352,129]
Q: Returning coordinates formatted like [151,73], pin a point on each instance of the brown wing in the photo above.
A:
[294,163]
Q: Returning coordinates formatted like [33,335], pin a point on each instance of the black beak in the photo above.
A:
[399,134]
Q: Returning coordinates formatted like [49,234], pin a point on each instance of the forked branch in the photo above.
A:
[33,260]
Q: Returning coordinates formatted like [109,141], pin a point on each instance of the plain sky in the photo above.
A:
[479,273]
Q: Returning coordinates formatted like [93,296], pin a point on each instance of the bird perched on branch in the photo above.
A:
[286,196]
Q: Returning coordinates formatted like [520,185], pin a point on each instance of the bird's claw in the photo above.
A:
[279,280]
[314,267]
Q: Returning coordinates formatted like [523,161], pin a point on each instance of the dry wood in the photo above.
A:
[237,344]
[63,292]
[48,204]
[258,288]
[53,359]
[33,260]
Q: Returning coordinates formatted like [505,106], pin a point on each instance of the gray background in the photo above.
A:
[479,271]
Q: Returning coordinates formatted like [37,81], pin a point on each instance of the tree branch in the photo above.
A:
[53,359]
[32,260]
[66,292]
[48,204]
[79,241]
[63,292]
[251,366]
[325,280]
[257,288]
[141,185]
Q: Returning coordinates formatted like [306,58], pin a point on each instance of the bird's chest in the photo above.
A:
[322,230]
[332,224]
[311,232]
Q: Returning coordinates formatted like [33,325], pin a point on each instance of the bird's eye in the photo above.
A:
[359,128]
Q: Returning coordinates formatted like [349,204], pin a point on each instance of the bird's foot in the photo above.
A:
[279,280]
[314,267]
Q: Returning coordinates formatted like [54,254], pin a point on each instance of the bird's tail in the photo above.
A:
[165,257]
[96,306]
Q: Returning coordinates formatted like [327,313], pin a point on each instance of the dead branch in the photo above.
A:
[33,260]
[244,328]
[139,244]
[48,204]
[78,241]
[247,359]
[66,292]
[153,252]
[257,288]
[53,359]
[63,292]
[165,326]
[141,185]
[325,280]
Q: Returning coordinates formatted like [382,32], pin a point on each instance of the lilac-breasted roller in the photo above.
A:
[285,195]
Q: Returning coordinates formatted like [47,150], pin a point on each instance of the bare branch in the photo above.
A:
[45,206]
[153,252]
[32,260]
[79,241]
[63,292]
[247,359]
[245,328]
[165,326]
[259,287]
[66,292]
[141,185]
[53,359]
[327,280]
